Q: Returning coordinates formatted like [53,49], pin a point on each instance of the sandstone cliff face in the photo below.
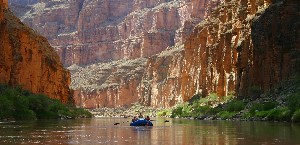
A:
[27,59]
[110,84]
[3,7]
[242,45]
[88,31]
[154,81]
[162,80]
[1,11]
[276,45]
[98,32]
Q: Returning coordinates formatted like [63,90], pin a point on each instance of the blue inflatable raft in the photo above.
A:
[141,122]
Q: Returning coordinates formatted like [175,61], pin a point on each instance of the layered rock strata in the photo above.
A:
[89,31]
[152,82]
[27,59]
[244,46]
[110,84]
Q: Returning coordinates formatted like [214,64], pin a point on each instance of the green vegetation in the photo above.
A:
[228,107]
[206,106]
[19,104]
[293,101]
[225,115]
[280,114]
[235,106]
[166,112]
[257,107]
[296,116]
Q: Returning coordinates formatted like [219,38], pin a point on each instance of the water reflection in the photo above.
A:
[175,132]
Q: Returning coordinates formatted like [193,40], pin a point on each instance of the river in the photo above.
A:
[175,132]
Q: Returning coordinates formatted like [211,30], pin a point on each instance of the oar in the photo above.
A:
[119,123]
[164,121]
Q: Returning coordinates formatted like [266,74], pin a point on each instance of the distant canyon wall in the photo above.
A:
[88,31]
[27,59]
[240,45]
[154,81]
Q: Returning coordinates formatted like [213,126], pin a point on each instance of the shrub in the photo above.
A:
[166,112]
[226,114]
[186,110]
[235,106]
[293,101]
[211,99]
[261,114]
[262,107]
[296,116]
[19,104]
[269,105]
[229,97]
[214,111]
[200,110]
[280,114]
[6,107]
[246,115]
[177,111]
[182,110]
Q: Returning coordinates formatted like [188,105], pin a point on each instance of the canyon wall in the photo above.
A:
[1,11]
[27,59]
[89,31]
[276,45]
[243,46]
[153,81]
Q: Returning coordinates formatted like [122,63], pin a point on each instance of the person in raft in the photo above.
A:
[134,119]
[147,118]
[141,116]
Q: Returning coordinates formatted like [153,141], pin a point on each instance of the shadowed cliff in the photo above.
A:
[27,60]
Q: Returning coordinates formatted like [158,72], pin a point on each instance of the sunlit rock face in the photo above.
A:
[114,33]
[154,81]
[89,31]
[158,53]
[27,59]
[242,45]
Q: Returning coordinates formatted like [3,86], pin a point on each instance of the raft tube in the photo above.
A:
[141,122]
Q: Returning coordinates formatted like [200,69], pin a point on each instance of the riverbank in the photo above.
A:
[279,104]
[18,104]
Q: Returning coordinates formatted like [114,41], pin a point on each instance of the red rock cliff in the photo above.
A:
[243,45]
[27,59]
[148,30]
[88,31]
